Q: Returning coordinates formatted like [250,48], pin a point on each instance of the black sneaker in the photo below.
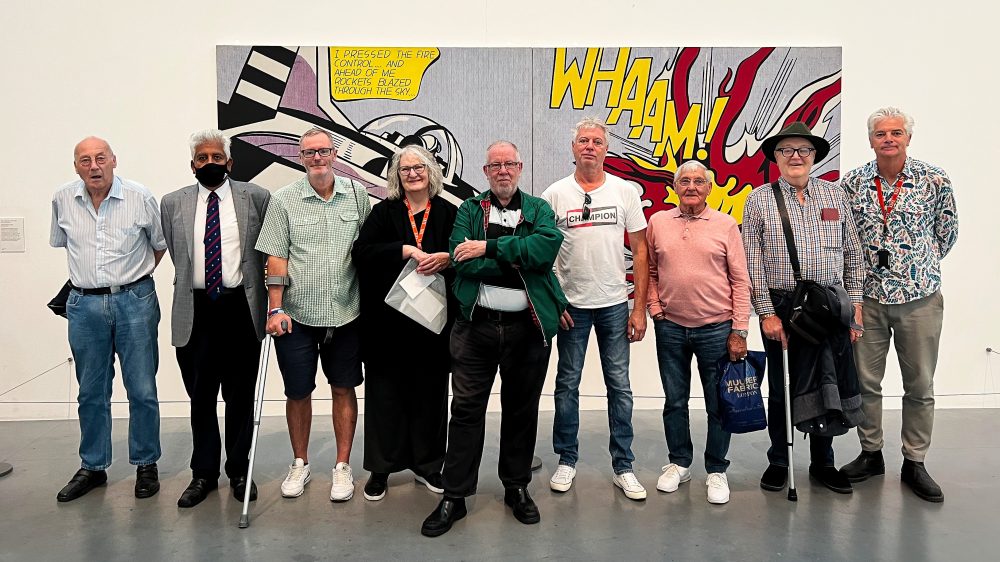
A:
[868,463]
[915,476]
[376,486]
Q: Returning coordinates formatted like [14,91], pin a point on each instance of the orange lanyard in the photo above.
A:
[892,200]
[419,235]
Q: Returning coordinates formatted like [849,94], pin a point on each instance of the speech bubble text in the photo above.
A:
[393,73]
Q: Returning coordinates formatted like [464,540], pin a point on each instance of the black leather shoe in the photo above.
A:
[774,478]
[831,478]
[376,486]
[147,481]
[196,492]
[82,482]
[439,522]
[915,476]
[524,507]
[239,487]
[868,463]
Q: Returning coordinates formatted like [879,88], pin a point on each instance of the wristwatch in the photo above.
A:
[742,333]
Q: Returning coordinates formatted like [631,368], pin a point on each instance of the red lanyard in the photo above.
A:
[419,235]
[881,198]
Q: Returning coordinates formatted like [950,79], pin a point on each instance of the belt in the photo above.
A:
[112,289]
[483,313]
[222,290]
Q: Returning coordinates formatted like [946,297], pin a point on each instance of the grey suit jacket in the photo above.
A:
[177,215]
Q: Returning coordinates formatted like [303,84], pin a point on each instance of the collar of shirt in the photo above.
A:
[790,189]
[222,191]
[513,205]
[340,185]
[116,189]
[676,213]
[871,170]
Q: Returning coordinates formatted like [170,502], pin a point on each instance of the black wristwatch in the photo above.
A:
[742,333]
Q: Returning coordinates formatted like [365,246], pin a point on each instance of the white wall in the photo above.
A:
[143,76]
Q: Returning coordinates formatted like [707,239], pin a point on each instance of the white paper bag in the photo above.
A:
[423,298]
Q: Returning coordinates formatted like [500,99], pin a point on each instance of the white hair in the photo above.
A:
[890,113]
[435,178]
[209,136]
[590,123]
[517,153]
[691,166]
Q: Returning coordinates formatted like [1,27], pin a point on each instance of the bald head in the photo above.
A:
[95,163]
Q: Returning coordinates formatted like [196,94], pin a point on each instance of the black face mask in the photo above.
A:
[211,175]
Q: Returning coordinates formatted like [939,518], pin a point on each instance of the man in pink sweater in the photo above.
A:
[699,298]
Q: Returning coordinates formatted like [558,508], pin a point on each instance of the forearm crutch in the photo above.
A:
[792,495]
[265,352]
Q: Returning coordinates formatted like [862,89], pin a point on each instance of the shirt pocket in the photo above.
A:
[351,221]
[831,234]
[306,230]
[125,240]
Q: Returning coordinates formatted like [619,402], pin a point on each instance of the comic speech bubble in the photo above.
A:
[392,73]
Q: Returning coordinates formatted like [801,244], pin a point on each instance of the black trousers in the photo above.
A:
[223,352]
[820,448]
[512,343]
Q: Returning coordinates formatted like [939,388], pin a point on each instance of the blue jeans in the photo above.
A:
[101,326]
[675,346]
[610,325]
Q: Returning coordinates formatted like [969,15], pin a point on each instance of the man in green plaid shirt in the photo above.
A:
[313,307]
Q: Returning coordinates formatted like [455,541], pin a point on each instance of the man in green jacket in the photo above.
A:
[504,244]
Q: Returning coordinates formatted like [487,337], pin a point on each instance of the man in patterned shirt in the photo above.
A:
[829,253]
[905,210]
[313,302]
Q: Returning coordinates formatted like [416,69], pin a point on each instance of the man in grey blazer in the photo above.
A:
[219,306]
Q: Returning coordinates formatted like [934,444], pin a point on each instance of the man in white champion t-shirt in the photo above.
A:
[594,210]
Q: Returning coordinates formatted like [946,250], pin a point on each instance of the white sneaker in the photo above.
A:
[673,476]
[718,487]
[296,480]
[562,479]
[343,483]
[630,485]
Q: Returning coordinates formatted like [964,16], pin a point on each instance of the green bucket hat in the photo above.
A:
[800,130]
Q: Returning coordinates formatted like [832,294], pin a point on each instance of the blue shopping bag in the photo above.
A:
[740,403]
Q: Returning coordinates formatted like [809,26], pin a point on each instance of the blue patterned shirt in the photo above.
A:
[921,230]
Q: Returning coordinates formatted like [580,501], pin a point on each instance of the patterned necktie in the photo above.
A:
[213,248]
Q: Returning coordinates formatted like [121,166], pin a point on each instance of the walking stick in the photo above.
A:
[792,495]
[265,352]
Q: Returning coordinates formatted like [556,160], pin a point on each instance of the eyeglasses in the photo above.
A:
[495,166]
[688,182]
[803,152]
[100,159]
[418,168]
[310,152]
[585,214]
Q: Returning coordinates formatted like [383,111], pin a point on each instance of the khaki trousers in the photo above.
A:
[916,328]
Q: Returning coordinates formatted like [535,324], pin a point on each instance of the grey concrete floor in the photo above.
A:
[882,520]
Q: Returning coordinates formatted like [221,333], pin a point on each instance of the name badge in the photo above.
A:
[830,214]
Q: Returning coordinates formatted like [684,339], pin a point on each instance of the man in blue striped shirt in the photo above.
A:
[111,230]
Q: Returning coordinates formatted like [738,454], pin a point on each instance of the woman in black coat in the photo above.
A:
[406,365]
